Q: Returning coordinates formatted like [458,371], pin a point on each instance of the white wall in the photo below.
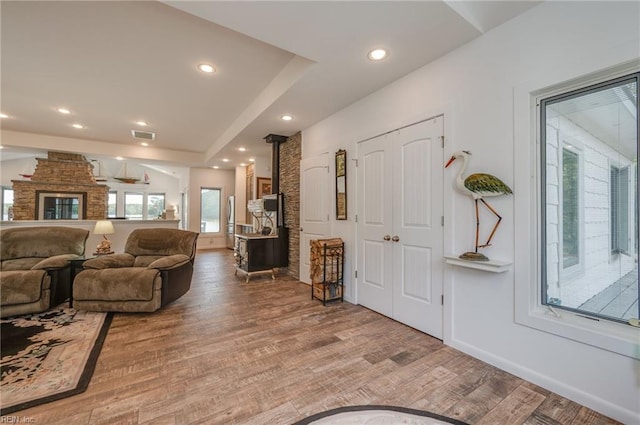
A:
[209,178]
[474,87]
[262,166]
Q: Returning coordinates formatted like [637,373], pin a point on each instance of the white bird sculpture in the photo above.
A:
[479,186]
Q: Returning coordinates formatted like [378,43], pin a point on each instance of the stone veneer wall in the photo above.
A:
[290,156]
[60,172]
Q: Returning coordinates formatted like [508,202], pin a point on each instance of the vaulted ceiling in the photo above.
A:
[113,63]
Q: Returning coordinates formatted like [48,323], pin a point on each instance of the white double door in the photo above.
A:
[400,233]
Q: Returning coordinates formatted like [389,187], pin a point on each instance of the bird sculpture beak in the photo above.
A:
[453,158]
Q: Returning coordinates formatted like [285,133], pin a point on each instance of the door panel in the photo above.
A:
[314,207]
[374,223]
[419,193]
[417,267]
[401,176]
[373,175]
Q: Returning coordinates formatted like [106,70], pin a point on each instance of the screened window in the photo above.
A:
[589,151]
[112,204]
[7,203]
[133,205]
[155,205]
[210,210]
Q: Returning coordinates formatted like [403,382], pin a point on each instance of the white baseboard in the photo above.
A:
[605,407]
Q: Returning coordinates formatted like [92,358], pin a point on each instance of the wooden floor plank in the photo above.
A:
[262,352]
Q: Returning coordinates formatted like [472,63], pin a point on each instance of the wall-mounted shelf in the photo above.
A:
[494,266]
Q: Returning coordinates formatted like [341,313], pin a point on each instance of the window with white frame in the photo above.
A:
[133,205]
[210,210]
[589,184]
[7,203]
[155,205]
[112,204]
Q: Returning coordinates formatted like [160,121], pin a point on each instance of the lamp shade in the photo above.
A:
[104,227]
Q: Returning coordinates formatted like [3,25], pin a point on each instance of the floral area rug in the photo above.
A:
[377,415]
[48,356]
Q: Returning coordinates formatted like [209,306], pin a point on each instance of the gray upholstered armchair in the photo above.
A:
[34,271]
[154,270]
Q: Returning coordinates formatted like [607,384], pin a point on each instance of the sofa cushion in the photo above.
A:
[43,242]
[169,262]
[109,261]
[145,260]
[122,284]
[20,263]
[55,262]
[22,287]
[161,242]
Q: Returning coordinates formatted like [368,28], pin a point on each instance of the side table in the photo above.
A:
[76,267]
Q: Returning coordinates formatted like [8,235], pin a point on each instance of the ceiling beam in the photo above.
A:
[276,88]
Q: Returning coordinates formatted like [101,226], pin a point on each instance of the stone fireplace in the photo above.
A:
[61,187]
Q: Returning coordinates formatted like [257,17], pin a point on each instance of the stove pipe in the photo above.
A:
[276,141]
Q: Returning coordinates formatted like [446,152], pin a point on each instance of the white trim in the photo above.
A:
[582,397]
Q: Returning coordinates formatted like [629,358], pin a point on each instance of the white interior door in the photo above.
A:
[375,261]
[400,235]
[417,226]
[314,207]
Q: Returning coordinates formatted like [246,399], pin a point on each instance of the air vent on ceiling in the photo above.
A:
[146,135]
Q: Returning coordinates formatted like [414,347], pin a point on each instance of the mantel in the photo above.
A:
[494,266]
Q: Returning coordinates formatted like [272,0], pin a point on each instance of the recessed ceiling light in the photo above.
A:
[377,54]
[63,111]
[286,118]
[4,116]
[142,123]
[144,144]
[78,126]
[252,160]
[225,159]
[119,158]
[215,166]
[242,164]
[242,149]
[205,67]
[1,147]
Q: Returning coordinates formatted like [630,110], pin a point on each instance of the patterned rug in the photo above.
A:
[377,415]
[48,356]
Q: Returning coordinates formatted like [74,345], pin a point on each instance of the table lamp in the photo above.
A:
[104,227]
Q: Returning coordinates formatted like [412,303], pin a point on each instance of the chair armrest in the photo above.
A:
[111,261]
[55,262]
[169,262]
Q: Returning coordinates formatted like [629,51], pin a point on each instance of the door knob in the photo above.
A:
[395,238]
[387,238]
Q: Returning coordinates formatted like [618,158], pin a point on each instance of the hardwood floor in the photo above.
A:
[262,352]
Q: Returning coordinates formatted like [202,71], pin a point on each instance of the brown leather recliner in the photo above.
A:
[34,268]
[154,270]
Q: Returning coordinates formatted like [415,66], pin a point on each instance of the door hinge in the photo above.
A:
[356,274]
[442,221]
[441,141]
[356,162]
[356,218]
[441,299]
